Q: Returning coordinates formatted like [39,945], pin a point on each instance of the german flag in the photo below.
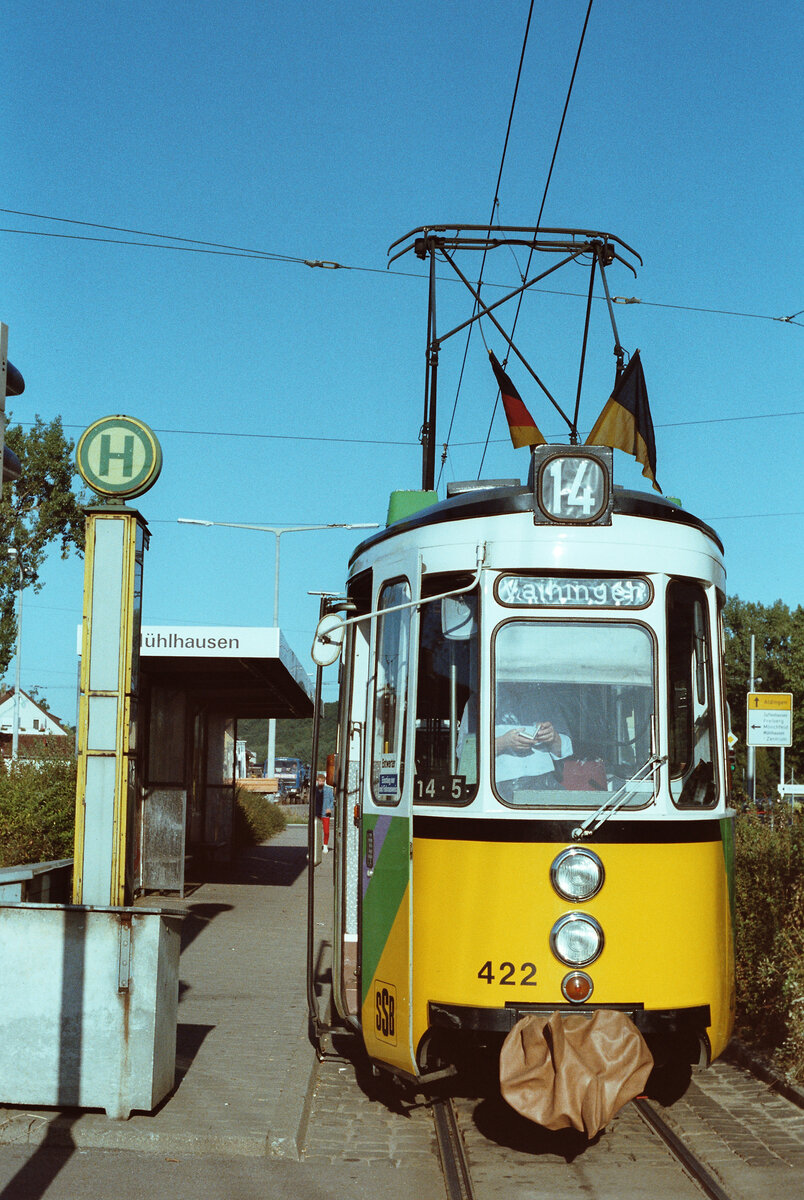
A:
[625,422]
[521,425]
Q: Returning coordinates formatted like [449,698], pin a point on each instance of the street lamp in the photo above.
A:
[277,531]
[15,736]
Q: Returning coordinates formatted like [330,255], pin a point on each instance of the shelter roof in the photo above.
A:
[237,671]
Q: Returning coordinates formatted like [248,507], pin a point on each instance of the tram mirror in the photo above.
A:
[457,618]
[328,640]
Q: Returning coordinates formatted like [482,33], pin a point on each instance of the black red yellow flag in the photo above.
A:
[521,425]
[625,422]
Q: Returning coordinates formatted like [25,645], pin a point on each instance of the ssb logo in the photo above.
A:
[385,1011]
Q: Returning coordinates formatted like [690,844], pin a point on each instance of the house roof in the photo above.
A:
[8,695]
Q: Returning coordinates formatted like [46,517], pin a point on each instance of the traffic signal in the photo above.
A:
[11,384]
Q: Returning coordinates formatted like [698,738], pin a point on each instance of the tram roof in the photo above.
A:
[485,501]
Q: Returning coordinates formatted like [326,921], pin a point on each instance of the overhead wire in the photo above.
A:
[192,243]
[494,206]
[410,443]
[539,218]
[222,249]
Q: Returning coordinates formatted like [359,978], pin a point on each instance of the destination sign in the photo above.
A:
[560,592]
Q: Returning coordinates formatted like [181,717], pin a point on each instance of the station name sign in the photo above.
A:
[209,641]
[561,592]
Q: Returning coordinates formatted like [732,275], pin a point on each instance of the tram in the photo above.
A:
[532,809]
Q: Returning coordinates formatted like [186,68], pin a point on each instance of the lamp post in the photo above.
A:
[277,531]
[15,736]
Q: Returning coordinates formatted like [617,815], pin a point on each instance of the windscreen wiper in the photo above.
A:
[619,798]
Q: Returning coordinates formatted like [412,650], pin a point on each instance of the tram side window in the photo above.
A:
[689,674]
[446,700]
[390,694]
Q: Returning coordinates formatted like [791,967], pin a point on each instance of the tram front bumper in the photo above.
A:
[673,1024]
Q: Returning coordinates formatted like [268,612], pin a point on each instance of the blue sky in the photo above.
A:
[326,131]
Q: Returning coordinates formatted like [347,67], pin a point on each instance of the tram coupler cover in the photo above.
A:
[569,1070]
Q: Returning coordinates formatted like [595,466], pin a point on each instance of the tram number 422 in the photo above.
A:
[385,1011]
[508,974]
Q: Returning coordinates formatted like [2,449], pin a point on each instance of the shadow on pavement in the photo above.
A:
[268,865]
[498,1123]
[197,918]
[35,1176]
[189,1039]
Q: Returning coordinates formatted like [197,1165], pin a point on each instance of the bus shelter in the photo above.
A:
[195,683]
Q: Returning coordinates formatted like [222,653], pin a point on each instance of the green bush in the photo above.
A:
[769,942]
[37,809]
[256,818]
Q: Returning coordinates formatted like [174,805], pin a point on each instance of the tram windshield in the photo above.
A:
[573,712]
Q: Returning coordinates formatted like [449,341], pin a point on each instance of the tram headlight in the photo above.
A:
[576,939]
[577,874]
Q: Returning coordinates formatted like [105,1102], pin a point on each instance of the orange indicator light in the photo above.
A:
[577,987]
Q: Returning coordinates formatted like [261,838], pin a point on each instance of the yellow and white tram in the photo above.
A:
[531,787]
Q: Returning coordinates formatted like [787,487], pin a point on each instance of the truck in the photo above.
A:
[292,777]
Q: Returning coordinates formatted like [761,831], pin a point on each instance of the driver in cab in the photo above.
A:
[527,754]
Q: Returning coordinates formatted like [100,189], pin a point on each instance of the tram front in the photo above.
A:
[544,835]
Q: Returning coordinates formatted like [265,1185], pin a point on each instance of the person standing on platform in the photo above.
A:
[324,800]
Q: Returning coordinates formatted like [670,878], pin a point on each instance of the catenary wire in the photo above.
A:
[303,437]
[221,249]
[539,218]
[494,207]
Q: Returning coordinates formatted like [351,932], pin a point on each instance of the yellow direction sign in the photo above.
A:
[770,719]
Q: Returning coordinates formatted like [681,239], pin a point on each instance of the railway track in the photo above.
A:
[452,1152]
[690,1162]
[754,1135]
[459,1183]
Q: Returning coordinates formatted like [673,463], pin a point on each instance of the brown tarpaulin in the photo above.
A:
[571,1071]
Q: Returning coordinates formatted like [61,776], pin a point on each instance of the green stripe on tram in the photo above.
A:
[727,833]
[384,894]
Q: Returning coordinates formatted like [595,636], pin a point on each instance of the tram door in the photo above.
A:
[352,718]
[386,940]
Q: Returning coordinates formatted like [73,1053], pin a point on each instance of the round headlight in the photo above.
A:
[576,939]
[577,874]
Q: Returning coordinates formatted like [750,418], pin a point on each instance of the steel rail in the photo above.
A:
[454,1163]
[692,1165]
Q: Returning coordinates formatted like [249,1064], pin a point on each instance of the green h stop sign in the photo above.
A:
[119,456]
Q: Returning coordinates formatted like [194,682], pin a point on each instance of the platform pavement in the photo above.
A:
[245,1065]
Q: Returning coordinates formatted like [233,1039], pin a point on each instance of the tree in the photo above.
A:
[40,509]
[294,736]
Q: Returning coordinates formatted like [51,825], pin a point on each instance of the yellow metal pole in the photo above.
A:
[115,542]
